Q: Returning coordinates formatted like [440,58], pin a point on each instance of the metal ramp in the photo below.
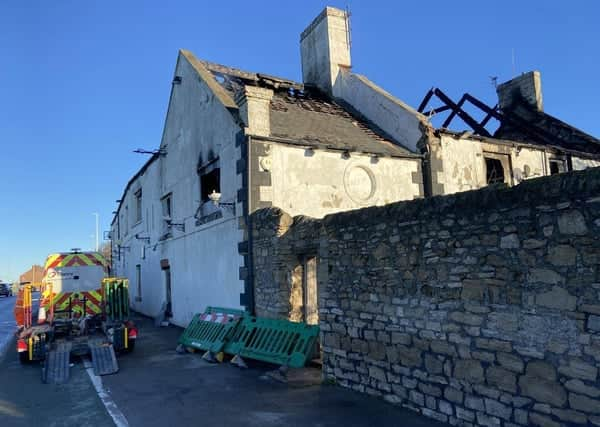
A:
[104,360]
[56,366]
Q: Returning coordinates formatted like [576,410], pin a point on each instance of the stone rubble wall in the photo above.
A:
[480,308]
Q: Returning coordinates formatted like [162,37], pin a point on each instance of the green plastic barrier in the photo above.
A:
[276,341]
[209,331]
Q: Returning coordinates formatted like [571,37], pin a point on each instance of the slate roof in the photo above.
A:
[305,116]
[313,119]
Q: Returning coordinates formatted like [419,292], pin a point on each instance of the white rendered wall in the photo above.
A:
[464,169]
[394,117]
[204,262]
[463,165]
[325,182]
[581,163]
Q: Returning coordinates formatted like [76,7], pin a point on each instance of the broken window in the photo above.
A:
[494,171]
[557,166]
[209,182]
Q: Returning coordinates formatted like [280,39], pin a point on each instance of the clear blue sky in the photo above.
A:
[83,84]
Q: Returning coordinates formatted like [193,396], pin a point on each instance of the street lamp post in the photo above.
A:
[96,214]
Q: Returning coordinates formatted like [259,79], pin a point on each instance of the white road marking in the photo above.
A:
[110,405]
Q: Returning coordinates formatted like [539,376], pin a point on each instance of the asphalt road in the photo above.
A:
[7,319]
[26,402]
[7,322]
[157,387]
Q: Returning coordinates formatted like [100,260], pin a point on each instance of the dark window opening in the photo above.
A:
[557,166]
[167,212]
[494,171]
[166,207]
[138,205]
[138,280]
[210,182]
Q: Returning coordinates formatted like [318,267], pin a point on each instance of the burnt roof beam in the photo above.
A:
[425,101]
[453,113]
[533,131]
[466,117]
[485,120]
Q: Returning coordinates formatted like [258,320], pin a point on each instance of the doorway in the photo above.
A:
[309,290]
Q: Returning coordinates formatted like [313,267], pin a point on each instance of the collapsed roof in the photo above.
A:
[304,115]
[518,121]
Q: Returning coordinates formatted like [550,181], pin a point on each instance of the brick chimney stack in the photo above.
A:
[527,85]
[324,48]
[255,109]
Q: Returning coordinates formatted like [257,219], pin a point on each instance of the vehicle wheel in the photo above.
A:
[130,346]
[24,358]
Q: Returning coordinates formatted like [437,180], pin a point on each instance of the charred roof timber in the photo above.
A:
[507,118]
[457,110]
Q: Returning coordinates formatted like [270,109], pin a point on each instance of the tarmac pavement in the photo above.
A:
[7,322]
[159,387]
[156,386]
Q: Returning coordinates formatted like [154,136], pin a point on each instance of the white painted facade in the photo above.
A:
[321,182]
[580,163]
[201,128]
[464,166]
[393,116]
[203,259]
[206,249]
[326,63]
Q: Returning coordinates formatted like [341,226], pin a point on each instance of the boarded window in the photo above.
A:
[494,171]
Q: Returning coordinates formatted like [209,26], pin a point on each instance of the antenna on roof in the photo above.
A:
[494,80]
